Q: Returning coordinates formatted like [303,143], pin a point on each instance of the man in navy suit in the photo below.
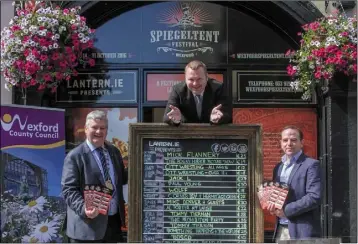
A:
[94,162]
[198,99]
[300,216]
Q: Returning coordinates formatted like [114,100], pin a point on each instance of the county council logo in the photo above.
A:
[30,130]
[187,39]
[7,122]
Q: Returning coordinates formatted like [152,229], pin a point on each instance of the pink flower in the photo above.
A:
[27,52]
[54,89]
[32,82]
[318,75]
[15,28]
[314,25]
[41,87]
[43,42]
[74,36]
[55,56]
[25,39]
[31,68]
[20,64]
[59,76]
[35,53]
[66,11]
[91,62]
[68,50]
[73,58]
[90,43]
[326,75]
[76,42]
[73,27]
[43,58]
[63,64]
[47,77]
[49,34]
[290,70]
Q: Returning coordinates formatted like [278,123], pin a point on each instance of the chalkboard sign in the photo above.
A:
[194,190]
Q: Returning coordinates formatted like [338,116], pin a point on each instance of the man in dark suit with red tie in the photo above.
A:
[198,99]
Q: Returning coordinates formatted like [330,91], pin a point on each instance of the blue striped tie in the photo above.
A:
[104,163]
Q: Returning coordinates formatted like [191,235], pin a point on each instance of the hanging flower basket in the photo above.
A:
[328,45]
[43,45]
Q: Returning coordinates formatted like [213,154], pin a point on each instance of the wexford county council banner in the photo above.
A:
[32,155]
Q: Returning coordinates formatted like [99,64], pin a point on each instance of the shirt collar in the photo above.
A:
[90,145]
[294,157]
[201,94]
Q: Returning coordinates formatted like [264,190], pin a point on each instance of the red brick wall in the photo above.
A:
[272,121]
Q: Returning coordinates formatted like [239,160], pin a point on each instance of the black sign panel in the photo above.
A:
[177,32]
[252,41]
[195,191]
[113,86]
[266,87]
[118,40]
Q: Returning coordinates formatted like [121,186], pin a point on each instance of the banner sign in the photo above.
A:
[159,86]
[266,87]
[32,155]
[177,32]
[114,86]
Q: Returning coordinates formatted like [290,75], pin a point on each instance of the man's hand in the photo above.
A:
[91,213]
[274,211]
[271,208]
[280,213]
[216,114]
[174,114]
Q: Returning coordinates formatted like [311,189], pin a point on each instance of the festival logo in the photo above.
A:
[189,31]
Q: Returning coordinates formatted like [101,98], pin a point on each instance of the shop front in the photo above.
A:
[141,49]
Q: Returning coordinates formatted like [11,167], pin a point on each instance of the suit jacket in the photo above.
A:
[80,169]
[183,98]
[302,206]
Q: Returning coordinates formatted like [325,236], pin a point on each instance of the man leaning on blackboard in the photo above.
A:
[198,100]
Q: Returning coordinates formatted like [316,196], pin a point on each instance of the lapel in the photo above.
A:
[95,170]
[297,165]
[114,159]
[279,172]
[206,102]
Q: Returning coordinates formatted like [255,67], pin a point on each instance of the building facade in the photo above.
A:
[141,50]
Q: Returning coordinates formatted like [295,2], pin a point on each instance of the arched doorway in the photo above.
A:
[239,41]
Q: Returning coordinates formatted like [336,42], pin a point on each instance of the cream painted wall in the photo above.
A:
[7,12]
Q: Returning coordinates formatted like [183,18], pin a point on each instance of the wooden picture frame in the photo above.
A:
[139,132]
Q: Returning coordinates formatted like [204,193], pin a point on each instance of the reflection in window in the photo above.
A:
[23,178]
